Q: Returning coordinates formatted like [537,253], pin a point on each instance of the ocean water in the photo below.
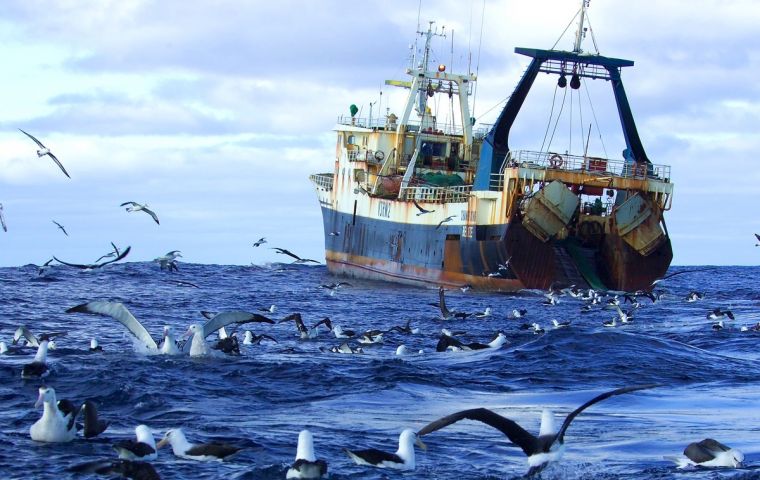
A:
[709,380]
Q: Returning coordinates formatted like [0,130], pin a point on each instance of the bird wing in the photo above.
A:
[2,218]
[118,312]
[115,248]
[35,140]
[598,398]
[516,434]
[152,214]
[77,265]
[60,165]
[757,236]
[218,450]
[287,252]
[442,303]
[121,256]
[704,451]
[418,206]
[223,319]
[134,204]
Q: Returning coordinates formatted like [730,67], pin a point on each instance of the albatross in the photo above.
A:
[136,207]
[708,453]
[293,255]
[55,425]
[93,426]
[403,459]
[306,464]
[541,450]
[197,345]
[92,266]
[46,151]
[142,448]
[200,451]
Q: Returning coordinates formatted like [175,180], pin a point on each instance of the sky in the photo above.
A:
[215,113]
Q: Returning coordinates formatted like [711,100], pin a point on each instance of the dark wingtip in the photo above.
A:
[78,309]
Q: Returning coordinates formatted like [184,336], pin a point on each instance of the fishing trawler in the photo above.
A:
[417,201]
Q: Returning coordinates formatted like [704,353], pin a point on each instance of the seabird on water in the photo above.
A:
[94,346]
[93,426]
[304,332]
[333,287]
[31,339]
[422,211]
[547,447]
[169,261]
[197,346]
[136,207]
[343,348]
[561,324]
[92,266]
[519,313]
[338,331]
[708,453]
[55,424]
[625,317]
[271,309]
[403,459]
[251,338]
[718,313]
[61,228]
[260,242]
[407,329]
[448,342]
[200,451]
[123,468]
[371,336]
[485,313]
[143,448]
[293,255]
[446,314]
[306,464]
[168,344]
[38,368]
[717,325]
[693,296]
[46,151]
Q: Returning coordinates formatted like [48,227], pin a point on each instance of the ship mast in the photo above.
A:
[581,31]
[423,66]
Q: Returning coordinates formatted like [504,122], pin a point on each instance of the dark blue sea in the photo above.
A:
[260,400]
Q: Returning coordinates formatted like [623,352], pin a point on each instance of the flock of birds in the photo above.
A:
[60,419]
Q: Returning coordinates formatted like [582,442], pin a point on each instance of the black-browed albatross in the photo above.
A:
[200,451]
[708,453]
[46,151]
[137,207]
[306,464]
[403,459]
[92,266]
[142,448]
[547,447]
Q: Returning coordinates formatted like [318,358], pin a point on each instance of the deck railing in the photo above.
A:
[592,165]
[322,180]
[455,194]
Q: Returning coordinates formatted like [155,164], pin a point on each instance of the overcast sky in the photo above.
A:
[215,113]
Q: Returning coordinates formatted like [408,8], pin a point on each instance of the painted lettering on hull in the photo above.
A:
[384,209]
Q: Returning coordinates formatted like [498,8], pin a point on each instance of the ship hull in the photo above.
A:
[502,258]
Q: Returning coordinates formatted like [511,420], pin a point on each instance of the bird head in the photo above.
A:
[46,395]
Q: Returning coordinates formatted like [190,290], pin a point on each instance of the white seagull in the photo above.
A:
[46,151]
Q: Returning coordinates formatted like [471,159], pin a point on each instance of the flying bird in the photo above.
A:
[136,207]
[547,447]
[61,227]
[445,220]
[291,254]
[2,219]
[114,253]
[46,151]
[92,266]
[260,242]
[422,210]
[758,240]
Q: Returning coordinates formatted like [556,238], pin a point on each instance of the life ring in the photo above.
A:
[555,161]
[379,155]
